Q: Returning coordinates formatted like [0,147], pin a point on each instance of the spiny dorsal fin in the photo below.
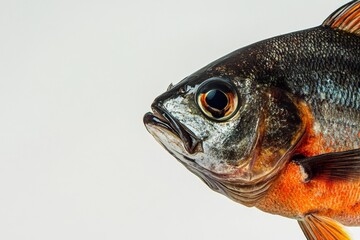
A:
[322,228]
[346,18]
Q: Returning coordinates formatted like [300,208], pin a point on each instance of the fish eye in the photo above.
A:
[217,99]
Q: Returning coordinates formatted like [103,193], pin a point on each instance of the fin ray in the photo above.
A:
[322,228]
[346,18]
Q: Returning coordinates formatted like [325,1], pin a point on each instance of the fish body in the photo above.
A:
[276,125]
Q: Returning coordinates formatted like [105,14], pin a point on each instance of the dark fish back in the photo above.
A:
[320,65]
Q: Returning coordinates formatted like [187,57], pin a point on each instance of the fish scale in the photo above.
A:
[340,128]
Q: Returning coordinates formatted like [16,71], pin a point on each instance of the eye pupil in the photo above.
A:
[216,99]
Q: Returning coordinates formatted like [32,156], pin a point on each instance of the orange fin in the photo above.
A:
[322,228]
[346,18]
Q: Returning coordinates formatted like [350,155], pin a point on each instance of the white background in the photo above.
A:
[76,78]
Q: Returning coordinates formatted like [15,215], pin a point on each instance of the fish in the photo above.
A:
[276,125]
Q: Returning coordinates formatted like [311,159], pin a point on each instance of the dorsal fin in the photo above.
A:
[346,18]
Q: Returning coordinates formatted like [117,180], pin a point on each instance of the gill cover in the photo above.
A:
[280,125]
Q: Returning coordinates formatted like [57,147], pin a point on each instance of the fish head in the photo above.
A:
[233,133]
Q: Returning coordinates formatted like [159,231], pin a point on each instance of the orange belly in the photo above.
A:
[291,197]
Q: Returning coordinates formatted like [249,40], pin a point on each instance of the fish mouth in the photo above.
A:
[163,119]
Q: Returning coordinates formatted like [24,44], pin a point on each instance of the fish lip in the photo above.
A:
[162,118]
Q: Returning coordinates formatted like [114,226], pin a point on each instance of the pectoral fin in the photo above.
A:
[335,165]
[322,228]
